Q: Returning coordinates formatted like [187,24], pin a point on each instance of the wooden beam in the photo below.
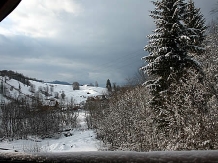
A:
[204,156]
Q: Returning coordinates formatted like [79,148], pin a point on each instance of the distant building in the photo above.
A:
[51,101]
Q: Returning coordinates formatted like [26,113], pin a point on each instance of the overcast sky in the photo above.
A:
[79,40]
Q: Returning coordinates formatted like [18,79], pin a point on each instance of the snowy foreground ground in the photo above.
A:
[83,147]
[82,139]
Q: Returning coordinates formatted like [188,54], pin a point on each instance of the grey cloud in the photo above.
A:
[105,40]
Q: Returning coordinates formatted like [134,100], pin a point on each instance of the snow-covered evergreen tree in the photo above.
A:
[171,47]
[108,85]
[178,25]
[195,23]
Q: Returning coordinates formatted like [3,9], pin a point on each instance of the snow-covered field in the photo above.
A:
[77,95]
[82,139]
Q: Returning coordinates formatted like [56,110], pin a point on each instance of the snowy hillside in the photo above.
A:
[15,89]
[43,128]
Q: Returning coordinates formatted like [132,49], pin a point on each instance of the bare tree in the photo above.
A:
[75,86]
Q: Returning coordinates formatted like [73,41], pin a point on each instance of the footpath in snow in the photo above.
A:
[82,139]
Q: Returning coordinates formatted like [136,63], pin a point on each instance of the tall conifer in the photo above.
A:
[179,32]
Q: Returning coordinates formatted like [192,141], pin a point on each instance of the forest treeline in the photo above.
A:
[39,114]
[177,106]
[18,76]
[28,117]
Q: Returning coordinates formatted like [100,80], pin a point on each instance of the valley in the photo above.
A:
[36,116]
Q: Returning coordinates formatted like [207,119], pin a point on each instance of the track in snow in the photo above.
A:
[81,140]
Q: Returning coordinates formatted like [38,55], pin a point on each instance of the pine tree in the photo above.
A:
[171,54]
[171,43]
[108,85]
[196,28]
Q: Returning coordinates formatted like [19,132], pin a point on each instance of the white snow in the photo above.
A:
[82,139]
[77,95]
